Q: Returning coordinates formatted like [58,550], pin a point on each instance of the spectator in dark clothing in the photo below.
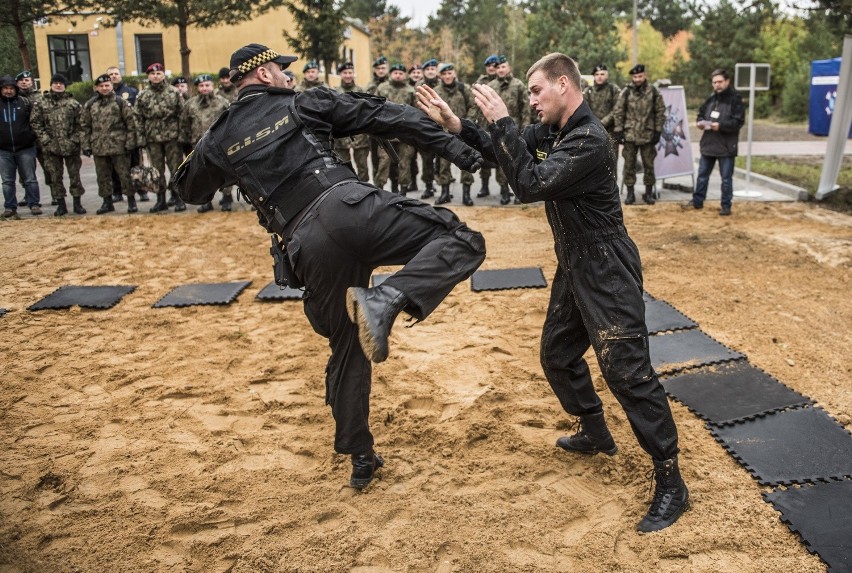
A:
[17,148]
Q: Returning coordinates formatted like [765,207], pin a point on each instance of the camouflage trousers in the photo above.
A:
[405,153]
[358,155]
[445,175]
[104,164]
[648,151]
[164,152]
[53,164]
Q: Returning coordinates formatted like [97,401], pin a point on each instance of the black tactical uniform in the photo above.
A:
[276,146]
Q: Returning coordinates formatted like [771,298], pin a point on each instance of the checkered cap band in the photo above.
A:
[258,60]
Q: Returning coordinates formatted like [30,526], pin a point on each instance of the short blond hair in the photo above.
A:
[556,65]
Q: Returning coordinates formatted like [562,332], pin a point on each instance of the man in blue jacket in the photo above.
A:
[17,149]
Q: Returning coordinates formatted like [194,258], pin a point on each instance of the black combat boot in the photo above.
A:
[648,196]
[466,195]
[131,203]
[78,206]
[171,201]
[374,310]
[107,206]
[61,207]
[445,195]
[116,197]
[671,498]
[428,192]
[593,437]
[143,196]
[179,204]
[484,191]
[227,201]
[364,467]
[206,207]
[631,195]
[413,185]
[160,205]
[394,186]
[505,195]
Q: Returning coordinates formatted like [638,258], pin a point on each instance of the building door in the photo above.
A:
[69,56]
[149,50]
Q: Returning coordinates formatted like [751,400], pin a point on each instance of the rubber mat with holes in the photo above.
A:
[100,297]
[501,279]
[202,293]
[272,292]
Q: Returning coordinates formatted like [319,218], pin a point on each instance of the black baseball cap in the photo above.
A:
[252,56]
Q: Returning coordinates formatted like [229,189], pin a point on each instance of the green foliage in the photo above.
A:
[364,10]
[666,16]
[319,26]
[10,56]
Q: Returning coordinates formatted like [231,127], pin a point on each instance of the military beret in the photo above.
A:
[24,74]
[252,56]
[637,69]
[224,72]
[397,67]
[178,80]
[202,78]
[102,78]
[311,65]
[600,68]
[381,60]
[345,66]
[155,67]
[501,59]
[289,74]
[491,60]
[445,67]
[58,78]
[413,67]
[433,63]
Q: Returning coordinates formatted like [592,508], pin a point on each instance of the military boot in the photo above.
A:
[179,204]
[227,201]
[466,195]
[131,203]
[160,205]
[171,201]
[484,191]
[671,497]
[445,195]
[631,195]
[374,311]
[206,207]
[364,467]
[592,437]
[413,185]
[143,196]
[505,195]
[394,186]
[61,207]
[428,192]
[78,206]
[107,206]
[116,197]
[648,196]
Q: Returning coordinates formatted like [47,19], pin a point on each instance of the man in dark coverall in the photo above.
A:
[568,161]
[276,145]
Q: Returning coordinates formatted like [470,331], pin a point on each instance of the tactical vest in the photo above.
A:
[281,165]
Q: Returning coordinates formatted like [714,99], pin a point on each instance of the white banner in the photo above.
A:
[674,154]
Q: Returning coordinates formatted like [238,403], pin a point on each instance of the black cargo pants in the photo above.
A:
[355,229]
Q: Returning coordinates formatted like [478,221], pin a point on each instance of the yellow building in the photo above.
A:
[81,48]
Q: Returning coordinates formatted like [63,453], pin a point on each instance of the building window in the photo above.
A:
[69,56]
[149,50]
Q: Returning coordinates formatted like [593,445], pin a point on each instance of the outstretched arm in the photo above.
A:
[436,108]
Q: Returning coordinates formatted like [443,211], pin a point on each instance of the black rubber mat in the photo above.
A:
[795,446]
[202,293]
[100,297]
[660,316]
[822,515]
[379,278]
[730,392]
[3,311]
[684,349]
[273,292]
[501,279]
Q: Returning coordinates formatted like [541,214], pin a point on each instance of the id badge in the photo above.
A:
[714,114]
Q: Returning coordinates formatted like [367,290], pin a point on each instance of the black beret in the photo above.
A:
[381,60]
[445,67]
[433,63]
[345,66]
[224,72]
[502,59]
[202,78]
[58,78]
[310,65]
[637,69]
[397,67]
[102,78]
[24,74]
[178,80]
[252,56]
[600,68]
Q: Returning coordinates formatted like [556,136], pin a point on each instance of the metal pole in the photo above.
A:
[839,130]
[635,35]
[119,38]
[752,73]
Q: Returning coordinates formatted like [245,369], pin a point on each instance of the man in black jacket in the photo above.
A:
[568,161]
[720,119]
[17,148]
[277,146]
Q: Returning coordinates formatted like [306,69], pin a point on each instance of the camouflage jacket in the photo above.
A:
[458,97]
[198,114]
[362,139]
[476,114]
[639,112]
[229,93]
[108,125]
[32,95]
[56,122]
[602,99]
[514,94]
[397,92]
[306,85]
[373,86]
[158,114]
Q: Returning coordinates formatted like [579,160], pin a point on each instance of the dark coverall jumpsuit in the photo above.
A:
[277,145]
[596,297]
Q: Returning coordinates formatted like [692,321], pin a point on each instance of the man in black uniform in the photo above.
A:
[276,146]
[567,161]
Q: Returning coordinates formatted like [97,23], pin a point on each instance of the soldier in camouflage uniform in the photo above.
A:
[477,117]
[310,77]
[26,88]
[415,75]
[396,90]
[109,133]
[514,94]
[380,76]
[430,78]
[226,89]
[158,115]
[359,144]
[639,116]
[197,115]
[460,101]
[182,86]
[602,98]
[56,122]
